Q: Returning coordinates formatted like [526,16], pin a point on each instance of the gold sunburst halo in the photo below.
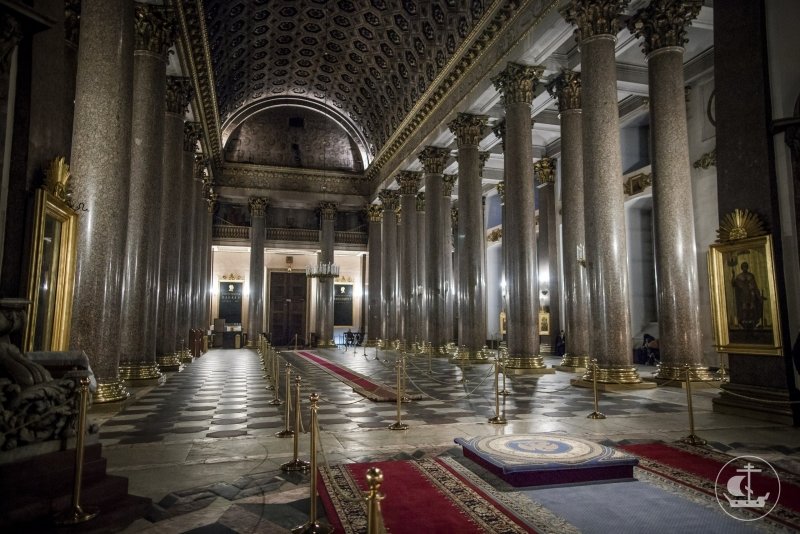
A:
[740,224]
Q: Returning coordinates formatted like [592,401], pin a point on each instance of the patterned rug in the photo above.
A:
[423,495]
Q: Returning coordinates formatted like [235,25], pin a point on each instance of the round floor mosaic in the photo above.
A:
[540,448]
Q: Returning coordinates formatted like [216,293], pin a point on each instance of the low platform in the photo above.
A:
[548,459]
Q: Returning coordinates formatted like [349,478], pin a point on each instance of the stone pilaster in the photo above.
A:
[566,88]
[407,276]
[390,201]
[547,243]
[516,84]
[374,315]
[101,153]
[255,307]
[597,24]
[325,289]
[422,252]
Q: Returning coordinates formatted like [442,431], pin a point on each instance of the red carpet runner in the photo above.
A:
[422,495]
[360,384]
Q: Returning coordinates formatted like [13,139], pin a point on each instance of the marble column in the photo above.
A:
[547,242]
[409,184]
[501,192]
[179,91]
[211,205]
[517,83]
[101,158]
[566,88]
[374,315]
[199,250]
[422,252]
[255,306]
[662,24]
[454,319]
[192,133]
[327,212]
[449,250]
[470,237]
[597,24]
[438,217]
[389,199]
[154,34]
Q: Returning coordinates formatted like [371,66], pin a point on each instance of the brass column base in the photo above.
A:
[110,391]
[697,372]
[186,356]
[296,465]
[140,373]
[576,361]
[170,362]
[471,355]
[614,375]
[527,365]
[373,343]
[326,344]
[440,351]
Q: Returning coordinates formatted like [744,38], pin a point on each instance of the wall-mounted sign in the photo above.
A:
[343,305]
[230,301]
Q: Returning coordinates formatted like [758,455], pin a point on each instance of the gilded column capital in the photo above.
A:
[517,82]
[499,130]
[155,29]
[179,94]
[375,212]
[409,182]
[421,202]
[468,129]
[663,23]
[449,182]
[258,206]
[72,17]
[483,157]
[566,89]
[454,216]
[545,170]
[594,17]
[327,210]
[389,198]
[192,132]
[434,159]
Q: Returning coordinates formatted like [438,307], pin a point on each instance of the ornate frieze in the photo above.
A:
[375,212]
[421,202]
[663,23]
[389,199]
[517,82]
[179,94]
[155,29]
[501,191]
[566,89]
[594,17]
[192,132]
[483,157]
[449,183]
[409,182]
[468,129]
[434,159]
[258,206]
[499,131]
[545,170]
[328,210]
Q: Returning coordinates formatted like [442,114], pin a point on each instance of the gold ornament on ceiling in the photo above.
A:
[740,224]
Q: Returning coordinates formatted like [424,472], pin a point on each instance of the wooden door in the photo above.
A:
[287,306]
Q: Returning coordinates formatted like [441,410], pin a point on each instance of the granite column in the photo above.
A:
[449,260]
[192,133]
[255,306]
[422,252]
[409,184]
[374,316]
[389,200]
[547,242]
[327,212]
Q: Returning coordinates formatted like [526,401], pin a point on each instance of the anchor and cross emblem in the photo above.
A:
[735,488]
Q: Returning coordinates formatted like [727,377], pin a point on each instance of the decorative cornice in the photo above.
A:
[389,199]
[517,82]
[434,159]
[499,131]
[483,157]
[566,89]
[328,210]
[155,29]
[249,176]
[449,183]
[375,213]
[594,17]
[179,94]
[663,23]
[258,206]
[468,129]
[72,21]
[10,36]
[409,182]
[709,159]
[192,132]
[421,202]
[545,170]
[501,191]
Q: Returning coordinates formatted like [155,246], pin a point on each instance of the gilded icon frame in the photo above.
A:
[544,323]
[744,301]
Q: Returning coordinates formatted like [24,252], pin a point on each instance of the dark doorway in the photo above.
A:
[287,307]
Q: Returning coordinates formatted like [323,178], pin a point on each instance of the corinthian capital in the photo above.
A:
[517,82]
[449,182]
[409,182]
[155,29]
[179,94]
[258,206]
[594,17]
[434,159]
[192,132]
[545,170]
[566,89]
[468,129]
[375,213]
[388,199]
[663,23]
[421,202]
[328,210]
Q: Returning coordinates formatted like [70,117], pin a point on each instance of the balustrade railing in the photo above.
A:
[305,235]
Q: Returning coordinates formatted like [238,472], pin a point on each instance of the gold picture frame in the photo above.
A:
[544,323]
[744,301]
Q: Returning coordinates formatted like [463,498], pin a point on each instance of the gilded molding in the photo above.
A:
[434,159]
[179,94]
[594,17]
[409,182]
[468,129]
[72,24]
[740,224]
[10,36]
[566,89]
[449,183]
[663,23]
[57,180]
[328,210]
[545,170]
[709,159]
[421,202]
[501,191]
[517,82]
[637,183]
[389,198]
[155,29]
[375,213]
[483,157]
[499,131]
[192,132]
[258,206]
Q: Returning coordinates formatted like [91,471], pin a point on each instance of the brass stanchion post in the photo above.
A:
[313,526]
[497,419]
[405,397]
[596,414]
[276,401]
[287,431]
[296,464]
[692,438]
[504,361]
[374,519]
[76,514]
[399,425]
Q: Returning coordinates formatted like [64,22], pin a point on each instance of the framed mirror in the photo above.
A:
[51,265]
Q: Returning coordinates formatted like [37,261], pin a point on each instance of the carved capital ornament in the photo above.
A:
[179,94]
[517,82]
[389,199]
[258,206]
[545,170]
[434,159]
[501,191]
[192,132]
[483,157]
[327,210]
[594,17]
[449,183]
[421,202]
[375,213]
[499,131]
[566,89]
[409,182]
[468,129]
[155,29]
[663,23]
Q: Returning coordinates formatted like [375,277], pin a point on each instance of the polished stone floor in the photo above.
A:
[202,446]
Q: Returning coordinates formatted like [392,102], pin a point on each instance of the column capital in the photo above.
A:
[545,170]
[179,94]
[449,182]
[517,82]
[566,89]
[663,23]
[155,29]
[192,132]
[327,210]
[409,182]
[499,130]
[594,17]
[375,212]
[501,191]
[421,202]
[258,206]
[468,129]
[454,216]
[483,157]
[434,159]
[389,198]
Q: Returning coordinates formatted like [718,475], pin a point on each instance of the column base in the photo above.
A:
[440,351]
[110,391]
[614,375]
[373,343]
[322,344]
[137,374]
[573,362]
[251,344]
[170,363]
[697,372]
[743,400]
[527,365]
[405,346]
[472,355]
[605,386]
[185,356]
